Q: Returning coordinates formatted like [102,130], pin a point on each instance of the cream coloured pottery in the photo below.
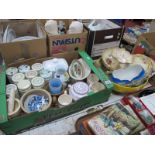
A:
[140,59]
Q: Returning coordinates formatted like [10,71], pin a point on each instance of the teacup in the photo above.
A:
[64,100]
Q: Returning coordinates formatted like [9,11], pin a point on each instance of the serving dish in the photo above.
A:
[42,92]
[79,70]
[128,75]
[127,89]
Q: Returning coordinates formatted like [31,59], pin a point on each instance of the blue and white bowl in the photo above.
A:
[132,75]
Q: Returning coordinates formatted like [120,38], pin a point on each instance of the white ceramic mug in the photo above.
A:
[64,100]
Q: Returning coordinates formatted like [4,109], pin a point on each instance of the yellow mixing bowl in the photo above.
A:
[126,89]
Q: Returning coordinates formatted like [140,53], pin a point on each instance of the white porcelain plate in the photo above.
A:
[9,35]
[24,38]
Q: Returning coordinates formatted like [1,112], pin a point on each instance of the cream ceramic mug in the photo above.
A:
[64,100]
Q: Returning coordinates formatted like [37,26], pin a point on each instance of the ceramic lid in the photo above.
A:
[24,68]
[37,66]
[11,71]
[23,84]
[17,77]
[80,88]
[9,87]
[45,73]
[31,74]
[37,81]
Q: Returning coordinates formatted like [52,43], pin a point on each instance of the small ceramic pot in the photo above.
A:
[31,74]
[92,78]
[10,72]
[55,86]
[37,67]
[96,87]
[78,90]
[24,68]
[64,100]
[9,87]
[38,82]
[18,77]
[24,86]
[46,74]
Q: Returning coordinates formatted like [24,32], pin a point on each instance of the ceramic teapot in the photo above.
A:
[78,90]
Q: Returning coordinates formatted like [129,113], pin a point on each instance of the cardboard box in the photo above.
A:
[103,39]
[25,121]
[145,45]
[13,51]
[65,42]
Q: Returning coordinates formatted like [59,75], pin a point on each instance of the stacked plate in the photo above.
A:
[10,36]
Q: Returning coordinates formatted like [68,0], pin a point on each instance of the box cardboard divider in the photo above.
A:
[24,121]
[25,49]
[145,45]
[65,42]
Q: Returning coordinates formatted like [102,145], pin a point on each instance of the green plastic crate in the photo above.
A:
[37,118]
[3,108]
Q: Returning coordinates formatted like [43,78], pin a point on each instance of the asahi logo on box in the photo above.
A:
[67,41]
